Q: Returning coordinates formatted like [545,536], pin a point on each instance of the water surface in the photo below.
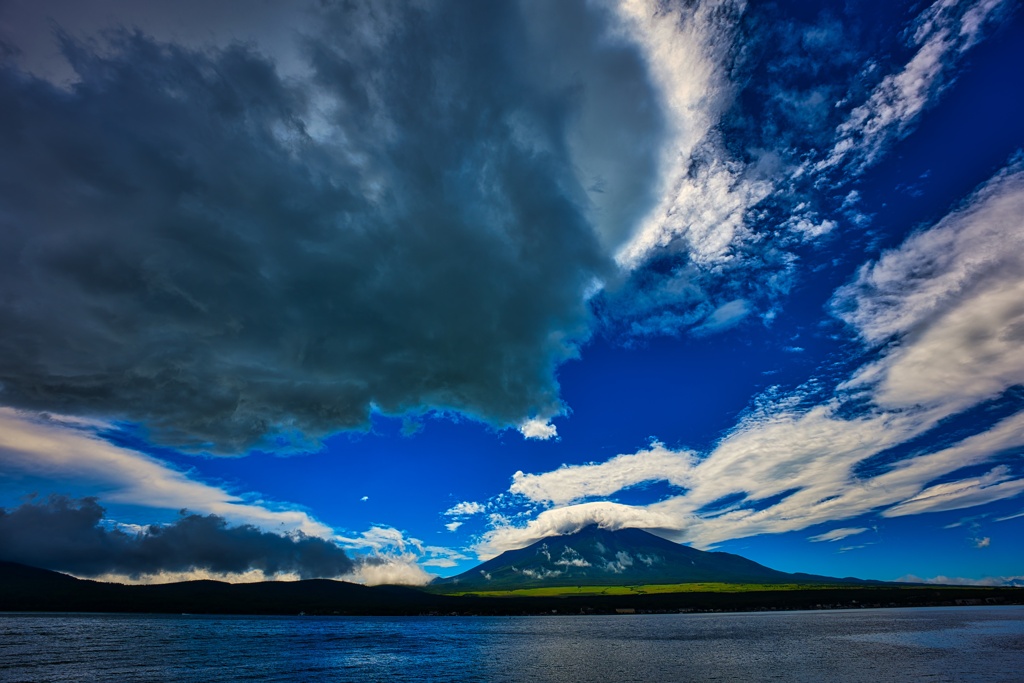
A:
[934,644]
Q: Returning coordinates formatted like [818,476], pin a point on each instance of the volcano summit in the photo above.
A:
[598,557]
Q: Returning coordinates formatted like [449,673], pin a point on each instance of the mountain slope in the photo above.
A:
[598,557]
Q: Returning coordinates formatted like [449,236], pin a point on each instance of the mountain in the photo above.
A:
[599,557]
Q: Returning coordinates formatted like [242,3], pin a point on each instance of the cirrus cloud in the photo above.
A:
[70,451]
[947,301]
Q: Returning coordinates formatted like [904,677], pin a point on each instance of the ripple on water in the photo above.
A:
[942,644]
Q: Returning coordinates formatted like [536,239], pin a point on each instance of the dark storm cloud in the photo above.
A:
[190,241]
[63,534]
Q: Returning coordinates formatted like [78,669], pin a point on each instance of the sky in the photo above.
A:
[379,290]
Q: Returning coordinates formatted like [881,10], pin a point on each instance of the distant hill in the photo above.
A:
[33,589]
[27,589]
[599,557]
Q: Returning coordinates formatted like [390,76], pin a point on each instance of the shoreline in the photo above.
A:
[186,602]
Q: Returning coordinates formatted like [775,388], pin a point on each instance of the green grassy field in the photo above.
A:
[560,591]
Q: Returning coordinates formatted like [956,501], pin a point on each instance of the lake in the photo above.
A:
[932,644]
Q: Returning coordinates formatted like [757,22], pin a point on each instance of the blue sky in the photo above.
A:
[433,283]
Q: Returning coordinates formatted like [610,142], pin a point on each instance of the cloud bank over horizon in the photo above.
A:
[75,536]
[62,534]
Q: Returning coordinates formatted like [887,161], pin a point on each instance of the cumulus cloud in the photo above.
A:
[63,534]
[465,508]
[394,569]
[621,563]
[571,558]
[541,573]
[245,259]
[946,305]
[537,428]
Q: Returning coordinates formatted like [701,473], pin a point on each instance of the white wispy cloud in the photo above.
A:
[942,33]
[69,450]
[725,316]
[380,538]
[571,483]
[947,304]
[850,548]
[710,196]
[705,193]
[956,288]
[437,556]
[1009,517]
[994,485]
[837,534]
[707,210]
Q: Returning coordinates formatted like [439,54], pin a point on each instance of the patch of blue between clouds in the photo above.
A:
[975,420]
